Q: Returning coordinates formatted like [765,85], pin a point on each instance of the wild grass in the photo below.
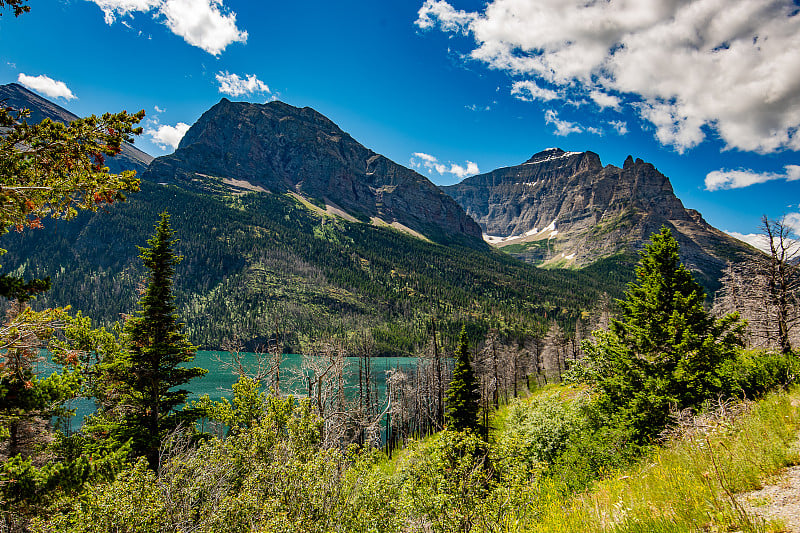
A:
[688,485]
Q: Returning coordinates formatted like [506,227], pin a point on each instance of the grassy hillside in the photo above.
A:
[262,266]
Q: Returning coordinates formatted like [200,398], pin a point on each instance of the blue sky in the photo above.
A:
[707,90]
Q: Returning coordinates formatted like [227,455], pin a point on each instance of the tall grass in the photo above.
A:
[689,485]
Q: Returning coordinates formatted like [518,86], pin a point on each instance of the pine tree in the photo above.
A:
[664,350]
[141,380]
[462,397]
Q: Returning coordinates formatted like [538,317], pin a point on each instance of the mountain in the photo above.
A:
[238,146]
[268,203]
[18,97]
[567,209]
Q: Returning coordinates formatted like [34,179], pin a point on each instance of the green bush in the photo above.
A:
[753,373]
[444,481]
[546,424]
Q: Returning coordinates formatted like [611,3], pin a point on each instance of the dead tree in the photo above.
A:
[783,278]
[765,291]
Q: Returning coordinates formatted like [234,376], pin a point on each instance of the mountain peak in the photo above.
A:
[567,208]
[281,148]
[549,154]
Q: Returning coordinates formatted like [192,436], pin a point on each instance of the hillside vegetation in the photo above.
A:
[262,266]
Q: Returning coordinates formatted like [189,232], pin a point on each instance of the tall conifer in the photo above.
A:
[142,379]
[462,398]
[664,350]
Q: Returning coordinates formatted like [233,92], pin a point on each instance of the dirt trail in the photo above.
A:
[778,500]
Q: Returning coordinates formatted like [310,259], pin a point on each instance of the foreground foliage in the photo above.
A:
[664,351]
[690,484]
[273,475]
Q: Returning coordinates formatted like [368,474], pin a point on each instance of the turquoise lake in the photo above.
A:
[219,379]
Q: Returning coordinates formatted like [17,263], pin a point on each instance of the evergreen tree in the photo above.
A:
[139,382]
[665,349]
[462,397]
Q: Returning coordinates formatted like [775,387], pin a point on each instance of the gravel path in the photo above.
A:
[780,500]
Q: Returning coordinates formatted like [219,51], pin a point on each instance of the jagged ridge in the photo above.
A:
[567,208]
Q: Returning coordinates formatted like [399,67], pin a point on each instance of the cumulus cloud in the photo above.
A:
[792,221]
[233,85]
[206,24]
[46,86]
[529,91]
[737,179]
[758,240]
[755,240]
[603,99]
[203,23]
[165,135]
[113,9]
[687,68]
[421,161]
[620,125]
[563,127]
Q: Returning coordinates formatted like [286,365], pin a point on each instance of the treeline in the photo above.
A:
[259,267]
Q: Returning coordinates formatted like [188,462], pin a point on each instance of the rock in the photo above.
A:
[280,148]
[567,208]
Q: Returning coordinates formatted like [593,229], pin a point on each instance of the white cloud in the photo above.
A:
[529,91]
[165,135]
[203,23]
[112,9]
[425,157]
[758,240]
[619,125]
[421,160]
[462,172]
[206,24]
[233,85]
[433,12]
[737,179]
[687,67]
[753,239]
[563,127]
[603,99]
[46,86]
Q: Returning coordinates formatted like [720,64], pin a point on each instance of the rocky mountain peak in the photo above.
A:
[628,163]
[566,208]
[281,148]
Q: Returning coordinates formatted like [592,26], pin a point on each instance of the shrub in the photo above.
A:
[753,373]
[546,424]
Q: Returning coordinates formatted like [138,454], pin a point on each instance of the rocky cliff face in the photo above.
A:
[277,147]
[566,208]
[18,97]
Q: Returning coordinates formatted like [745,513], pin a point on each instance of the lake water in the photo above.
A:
[219,379]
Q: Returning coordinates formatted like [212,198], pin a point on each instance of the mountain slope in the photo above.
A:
[260,265]
[277,147]
[18,97]
[566,208]
[264,264]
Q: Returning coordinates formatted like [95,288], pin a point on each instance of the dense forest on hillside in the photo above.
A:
[262,266]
